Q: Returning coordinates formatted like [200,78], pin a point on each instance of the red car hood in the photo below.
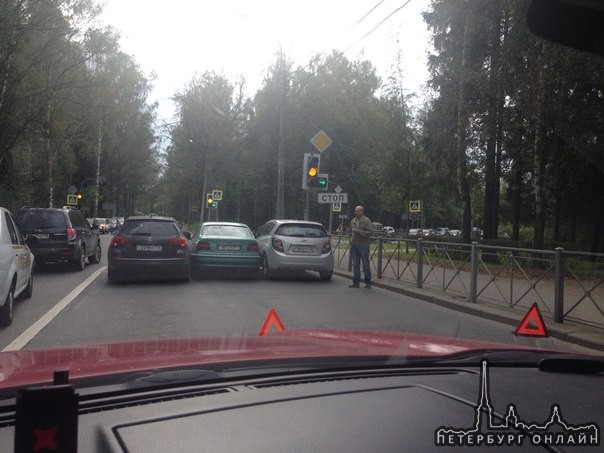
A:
[28,367]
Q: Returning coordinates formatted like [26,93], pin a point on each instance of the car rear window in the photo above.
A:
[301,230]
[149,228]
[41,220]
[226,230]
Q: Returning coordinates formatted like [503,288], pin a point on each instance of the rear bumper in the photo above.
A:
[55,254]
[150,269]
[320,263]
[211,260]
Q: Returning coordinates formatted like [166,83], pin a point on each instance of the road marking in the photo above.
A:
[20,342]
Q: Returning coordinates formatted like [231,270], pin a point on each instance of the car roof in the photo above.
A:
[286,221]
[63,209]
[224,224]
[151,217]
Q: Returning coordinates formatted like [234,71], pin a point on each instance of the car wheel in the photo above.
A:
[29,289]
[325,275]
[80,262]
[266,269]
[96,257]
[6,312]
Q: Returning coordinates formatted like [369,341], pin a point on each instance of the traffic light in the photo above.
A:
[311,170]
[210,201]
[79,197]
[319,182]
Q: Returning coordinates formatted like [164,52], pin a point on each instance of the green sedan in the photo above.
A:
[228,247]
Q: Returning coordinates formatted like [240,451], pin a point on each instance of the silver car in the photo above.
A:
[295,245]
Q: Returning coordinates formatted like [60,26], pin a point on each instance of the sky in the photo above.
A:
[172,40]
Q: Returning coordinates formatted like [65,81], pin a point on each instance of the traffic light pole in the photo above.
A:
[307,205]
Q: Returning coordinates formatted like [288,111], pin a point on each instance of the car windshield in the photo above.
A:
[226,230]
[35,219]
[149,228]
[426,174]
[301,230]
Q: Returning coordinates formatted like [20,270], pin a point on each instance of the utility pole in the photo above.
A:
[98,168]
[280,158]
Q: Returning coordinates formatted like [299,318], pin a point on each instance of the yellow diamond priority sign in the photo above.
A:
[321,141]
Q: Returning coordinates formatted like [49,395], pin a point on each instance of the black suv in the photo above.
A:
[149,248]
[60,235]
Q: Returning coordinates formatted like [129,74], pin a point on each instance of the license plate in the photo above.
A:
[303,248]
[229,248]
[148,248]
[41,235]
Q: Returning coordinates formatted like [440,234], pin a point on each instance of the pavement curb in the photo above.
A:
[581,335]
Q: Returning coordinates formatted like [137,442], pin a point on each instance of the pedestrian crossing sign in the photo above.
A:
[72,199]
[415,206]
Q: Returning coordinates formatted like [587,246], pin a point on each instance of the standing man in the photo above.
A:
[360,237]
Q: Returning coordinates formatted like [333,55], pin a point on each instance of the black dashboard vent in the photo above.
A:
[101,405]
[337,377]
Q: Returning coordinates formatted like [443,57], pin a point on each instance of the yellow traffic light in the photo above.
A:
[313,166]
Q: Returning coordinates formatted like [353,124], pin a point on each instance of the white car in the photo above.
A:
[290,245]
[16,266]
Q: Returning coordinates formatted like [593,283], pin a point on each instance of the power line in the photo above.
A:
[341,54]
[368,13]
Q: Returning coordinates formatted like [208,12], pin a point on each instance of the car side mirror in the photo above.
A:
[573,23]
[187,234]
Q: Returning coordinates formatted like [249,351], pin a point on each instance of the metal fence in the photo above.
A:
[566,285]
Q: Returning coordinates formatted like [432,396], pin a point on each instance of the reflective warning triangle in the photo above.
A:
[532,324]
[271,319]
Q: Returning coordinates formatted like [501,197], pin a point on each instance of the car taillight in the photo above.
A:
[118,241]
[326,247]
[252,247]
[202,245]
[178,242]
[278,245]
[71,234]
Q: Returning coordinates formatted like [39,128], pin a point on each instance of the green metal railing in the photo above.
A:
[565,284]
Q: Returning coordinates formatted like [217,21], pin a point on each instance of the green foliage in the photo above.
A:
[70,95]
[512,123]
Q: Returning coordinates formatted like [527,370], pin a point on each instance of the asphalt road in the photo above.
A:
[70,308]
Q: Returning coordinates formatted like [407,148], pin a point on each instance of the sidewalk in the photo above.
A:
[568,331]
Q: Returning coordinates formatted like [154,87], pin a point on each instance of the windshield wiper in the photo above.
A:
[544,360]
[174,377]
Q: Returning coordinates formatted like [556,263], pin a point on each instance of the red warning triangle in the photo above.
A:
[532,324]
[271,319]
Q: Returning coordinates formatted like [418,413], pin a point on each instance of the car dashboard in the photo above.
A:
[368,409]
